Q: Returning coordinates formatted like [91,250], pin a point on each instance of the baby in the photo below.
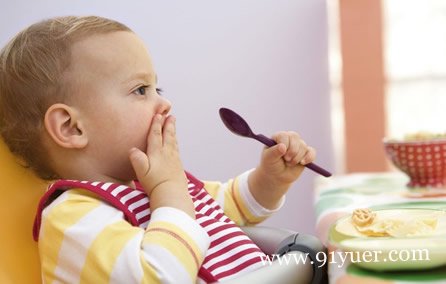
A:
[79,104]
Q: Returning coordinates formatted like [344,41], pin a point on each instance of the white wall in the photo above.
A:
[265,59]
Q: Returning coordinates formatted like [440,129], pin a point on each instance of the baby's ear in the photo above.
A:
[64,126]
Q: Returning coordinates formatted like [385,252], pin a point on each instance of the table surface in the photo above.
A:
[338,196]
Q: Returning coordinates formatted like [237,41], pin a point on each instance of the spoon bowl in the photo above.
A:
[235,123]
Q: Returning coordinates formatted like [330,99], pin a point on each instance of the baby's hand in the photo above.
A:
[160,166]
[284,161]
[160,170]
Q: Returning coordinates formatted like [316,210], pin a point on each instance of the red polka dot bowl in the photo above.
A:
[424,161]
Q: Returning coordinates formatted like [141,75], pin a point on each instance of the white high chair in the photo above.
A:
[19,261]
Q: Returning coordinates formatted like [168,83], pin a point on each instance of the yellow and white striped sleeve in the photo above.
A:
[84,240]
[237,201]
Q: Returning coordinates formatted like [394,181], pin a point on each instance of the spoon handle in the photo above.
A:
[265,140]
[312,166]
[318,169]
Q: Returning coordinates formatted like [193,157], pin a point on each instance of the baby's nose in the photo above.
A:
[165,106]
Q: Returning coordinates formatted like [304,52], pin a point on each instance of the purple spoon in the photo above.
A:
[237,125]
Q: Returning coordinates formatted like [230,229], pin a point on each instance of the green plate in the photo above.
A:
[390,253]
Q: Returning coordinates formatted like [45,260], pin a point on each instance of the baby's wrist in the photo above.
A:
[263,179]
[167,186]
[173,195]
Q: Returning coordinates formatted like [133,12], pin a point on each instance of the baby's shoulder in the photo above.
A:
[73,199]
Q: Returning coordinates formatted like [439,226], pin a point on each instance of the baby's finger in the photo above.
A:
[140,163]
[155,139]
[294,148]
[275,153]
[169,131]
[299,156]
[282,137]
[301,151]
[309,157]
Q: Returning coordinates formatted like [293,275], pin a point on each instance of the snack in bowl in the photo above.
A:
[424,135]
[422,156]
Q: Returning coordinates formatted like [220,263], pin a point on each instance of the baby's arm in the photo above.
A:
[236,200]
[255,195]
[85,240]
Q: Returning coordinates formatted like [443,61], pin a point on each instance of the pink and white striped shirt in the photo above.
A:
[224,251]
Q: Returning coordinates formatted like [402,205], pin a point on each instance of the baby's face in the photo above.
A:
[116,96]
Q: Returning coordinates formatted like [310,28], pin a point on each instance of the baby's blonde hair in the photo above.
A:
[32,69]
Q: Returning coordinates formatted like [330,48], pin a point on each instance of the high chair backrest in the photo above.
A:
[20,191]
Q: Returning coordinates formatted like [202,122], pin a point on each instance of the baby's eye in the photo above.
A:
[159,91]
[141,90]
